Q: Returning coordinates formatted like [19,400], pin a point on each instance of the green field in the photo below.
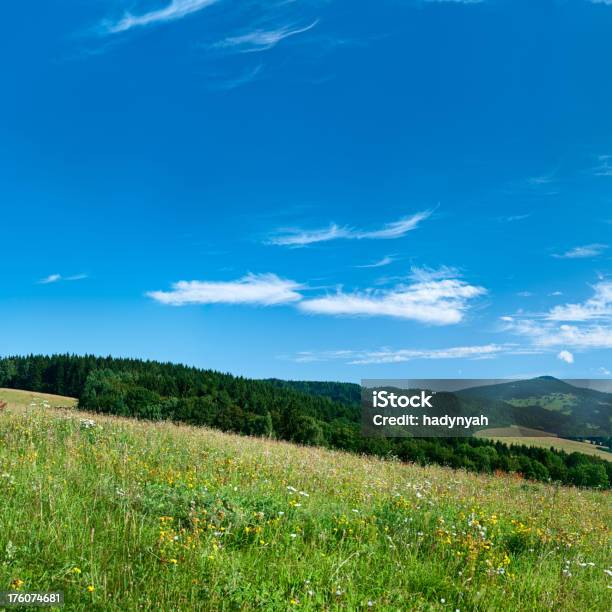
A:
[127,515]
[511,435]
[22,399]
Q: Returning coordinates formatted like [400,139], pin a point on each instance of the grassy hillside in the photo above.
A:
[126,515]
[20,399]
[512,435]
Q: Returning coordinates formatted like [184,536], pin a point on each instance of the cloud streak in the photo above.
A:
[261,40]
[254,289]
[385,261]
[176,9]
[56,278]
[584,325]
[396,229]
[435,302]
[387,355]
[583,252]
[597,307]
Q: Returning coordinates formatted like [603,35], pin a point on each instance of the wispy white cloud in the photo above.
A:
[261,40]
[566,356]
[604,168]
[456,352]
[590,322]
[582,252]
[385,261]
[599,306]
[388,355]
[176,9]
[257,289]
[56,278]
[437,302]
[396,229]
[52,278]
[550,334]
[513,218]
[248,76]
[298,237]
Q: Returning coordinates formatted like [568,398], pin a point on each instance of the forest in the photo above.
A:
[310,413]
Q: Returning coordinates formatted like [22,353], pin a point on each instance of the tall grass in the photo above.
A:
[126,515]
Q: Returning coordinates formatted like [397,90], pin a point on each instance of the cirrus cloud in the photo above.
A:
[582,252]
[436,302]
[260,40]
[176,9]
[396,229]
[258,289]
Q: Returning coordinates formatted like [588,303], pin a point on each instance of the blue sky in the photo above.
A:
[316,189]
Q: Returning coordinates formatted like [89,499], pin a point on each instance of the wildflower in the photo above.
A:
[76,570]
[293,535]
[17,584]
[370,603]
[295,601]
[173,561]
[91,588]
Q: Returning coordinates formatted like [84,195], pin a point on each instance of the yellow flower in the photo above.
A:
[173,561]
[91,588]
[17,584]
[75,570]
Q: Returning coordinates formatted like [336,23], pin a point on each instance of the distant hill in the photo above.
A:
[549,404]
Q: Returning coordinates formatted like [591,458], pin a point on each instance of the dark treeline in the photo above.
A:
[300,412]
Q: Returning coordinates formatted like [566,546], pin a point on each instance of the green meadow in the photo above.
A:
[130,515]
